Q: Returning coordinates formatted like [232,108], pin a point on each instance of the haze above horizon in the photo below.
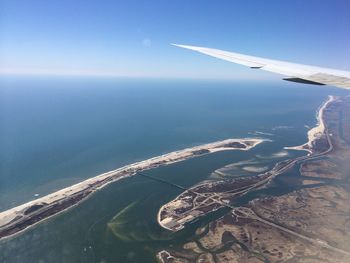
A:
[132,38]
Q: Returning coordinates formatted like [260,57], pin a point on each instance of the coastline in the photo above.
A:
[299,217]
[316,132]
[19,218]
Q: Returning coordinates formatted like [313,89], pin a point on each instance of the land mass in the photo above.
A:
[306,225]
[19,218]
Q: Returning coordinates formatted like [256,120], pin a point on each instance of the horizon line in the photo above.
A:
[91,73]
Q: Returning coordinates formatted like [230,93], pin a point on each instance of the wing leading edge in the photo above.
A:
[293,72]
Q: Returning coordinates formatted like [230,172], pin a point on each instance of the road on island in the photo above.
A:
[277,170]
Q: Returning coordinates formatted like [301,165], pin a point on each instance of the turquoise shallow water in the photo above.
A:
[55,132]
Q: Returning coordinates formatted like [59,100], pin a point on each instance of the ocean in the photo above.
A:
[57,131]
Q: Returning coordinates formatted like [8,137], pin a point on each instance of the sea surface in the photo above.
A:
[55,132]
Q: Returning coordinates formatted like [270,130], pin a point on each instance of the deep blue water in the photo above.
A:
[55,132]
[58,131]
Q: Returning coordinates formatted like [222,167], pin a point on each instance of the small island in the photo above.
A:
[17,219]
[309,224]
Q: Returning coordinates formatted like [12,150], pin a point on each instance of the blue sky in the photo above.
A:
[132,38]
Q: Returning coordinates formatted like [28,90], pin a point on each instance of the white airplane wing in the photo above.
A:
[292,71]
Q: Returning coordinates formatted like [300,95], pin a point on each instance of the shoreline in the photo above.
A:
[17,219]
[273,218]
[316,132]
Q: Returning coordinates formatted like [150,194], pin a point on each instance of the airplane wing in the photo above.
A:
[293,72]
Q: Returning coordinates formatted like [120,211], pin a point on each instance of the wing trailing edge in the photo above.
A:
[294,72]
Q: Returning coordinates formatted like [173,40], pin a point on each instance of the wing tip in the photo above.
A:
[186,46]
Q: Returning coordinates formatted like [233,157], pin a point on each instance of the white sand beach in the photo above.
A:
[19,214]
[316,132]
